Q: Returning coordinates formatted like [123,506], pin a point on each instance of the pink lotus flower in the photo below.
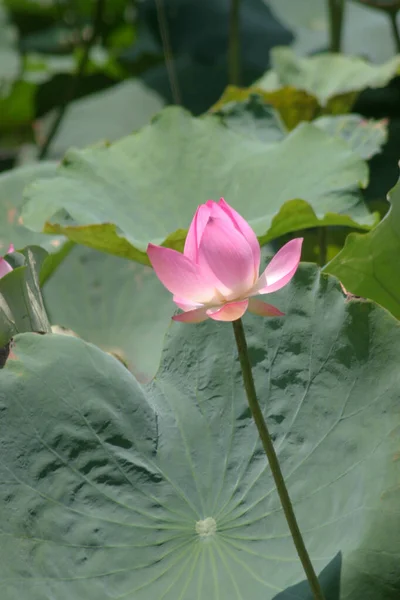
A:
[217,276]
[4,266]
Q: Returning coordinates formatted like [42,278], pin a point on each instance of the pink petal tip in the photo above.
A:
[232,311]
[191,316]
[258,307]
[281,268]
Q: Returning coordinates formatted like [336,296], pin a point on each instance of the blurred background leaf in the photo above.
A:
[193,159]
[130,102]
[12,231]
[199,40]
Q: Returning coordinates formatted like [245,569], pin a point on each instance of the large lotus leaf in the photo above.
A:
[334,79]
[114,303]
[115,490]
[369,264]
[146,187]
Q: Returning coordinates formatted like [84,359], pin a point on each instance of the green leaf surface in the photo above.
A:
[12,184]
[253,118]
[294,106]
[365,136]
[252,115]
[115,490]
[116,304]
[369,264]
[334,79]
[21,303]
[146,187]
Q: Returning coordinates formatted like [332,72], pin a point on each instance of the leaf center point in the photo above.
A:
[206,527]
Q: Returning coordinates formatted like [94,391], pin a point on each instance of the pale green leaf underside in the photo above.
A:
[255,118]
[365,136]
[327,75]
[148,185]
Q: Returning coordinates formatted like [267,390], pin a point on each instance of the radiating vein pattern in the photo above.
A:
[111,490]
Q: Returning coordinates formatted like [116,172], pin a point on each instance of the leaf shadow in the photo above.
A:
[329,579]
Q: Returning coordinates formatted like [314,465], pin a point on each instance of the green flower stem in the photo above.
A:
[273,460]
[322,244]
[168,54]
[395,30]
[234,43]
[336,10]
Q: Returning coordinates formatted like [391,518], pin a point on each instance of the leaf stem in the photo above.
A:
[168,54]
[322,243]
[76,80]
[392,14]
[273,460]
[336,10]
[234,43]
